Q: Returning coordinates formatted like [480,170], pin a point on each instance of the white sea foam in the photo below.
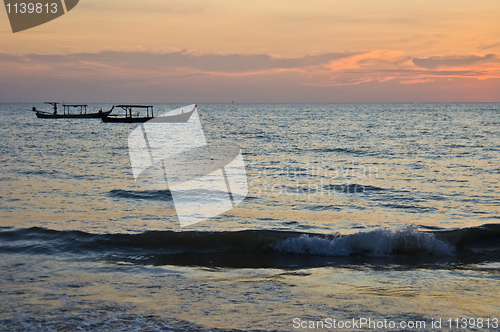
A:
[378,243]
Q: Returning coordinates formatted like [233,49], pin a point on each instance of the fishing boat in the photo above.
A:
[68,112]
[133,113]
[143,113]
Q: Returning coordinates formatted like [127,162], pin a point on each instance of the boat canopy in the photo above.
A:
[81,109]
[128,109]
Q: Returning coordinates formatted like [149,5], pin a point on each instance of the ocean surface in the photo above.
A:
[382,212]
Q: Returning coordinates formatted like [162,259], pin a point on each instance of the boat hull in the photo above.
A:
[125,120]
[71,116]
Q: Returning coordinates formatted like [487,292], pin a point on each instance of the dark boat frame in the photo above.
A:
[66,114]
[134,117]
[129,116]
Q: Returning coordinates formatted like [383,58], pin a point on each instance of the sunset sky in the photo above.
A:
[257,51]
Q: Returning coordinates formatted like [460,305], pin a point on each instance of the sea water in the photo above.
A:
[354,211]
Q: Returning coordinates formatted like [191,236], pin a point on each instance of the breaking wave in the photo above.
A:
[257,248]
[378,243]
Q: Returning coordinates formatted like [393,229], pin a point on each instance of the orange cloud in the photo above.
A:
[435,62]
[369,59]
[319,71]
[416,81]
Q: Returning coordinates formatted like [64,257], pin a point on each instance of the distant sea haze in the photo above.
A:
[376,211]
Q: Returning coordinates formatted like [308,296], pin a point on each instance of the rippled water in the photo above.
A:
[315,167]
[353,209]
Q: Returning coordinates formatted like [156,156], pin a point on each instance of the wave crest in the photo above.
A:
[378,243]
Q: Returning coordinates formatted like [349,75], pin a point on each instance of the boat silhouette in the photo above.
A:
[73,111]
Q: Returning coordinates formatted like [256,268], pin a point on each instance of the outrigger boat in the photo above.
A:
[81,112]
[131,116]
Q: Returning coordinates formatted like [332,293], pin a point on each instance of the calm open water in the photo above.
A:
[376,211]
